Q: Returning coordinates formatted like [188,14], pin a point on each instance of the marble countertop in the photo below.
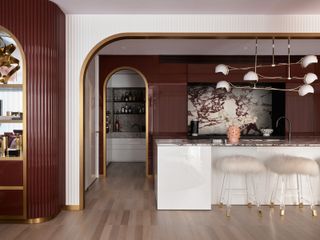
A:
[261,142]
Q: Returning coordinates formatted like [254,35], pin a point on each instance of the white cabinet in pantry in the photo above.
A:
[126,150]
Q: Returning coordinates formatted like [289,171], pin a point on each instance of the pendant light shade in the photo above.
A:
[221,68]
[305,89]
[310,78]
[307,60]
[251,76]
[223,85]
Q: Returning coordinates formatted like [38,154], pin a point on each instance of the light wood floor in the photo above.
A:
[122,206]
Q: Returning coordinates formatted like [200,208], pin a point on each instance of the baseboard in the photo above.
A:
[72,208]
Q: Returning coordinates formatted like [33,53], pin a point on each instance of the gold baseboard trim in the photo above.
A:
[72,208]
[27,221]
[39,220]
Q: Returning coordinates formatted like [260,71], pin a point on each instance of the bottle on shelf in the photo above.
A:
[129,110]
[126,109]
[122,109]
[126,97]
[107,122]
[117,126]
[130,97]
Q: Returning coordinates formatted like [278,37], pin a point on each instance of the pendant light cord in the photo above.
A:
[289,59]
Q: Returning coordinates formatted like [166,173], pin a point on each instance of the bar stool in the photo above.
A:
[284,166]
[239,165]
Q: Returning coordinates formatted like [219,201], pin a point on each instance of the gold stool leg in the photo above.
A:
[228,211]
[313,210]
[299,189]
[222,191]
[283,194]
[274,191]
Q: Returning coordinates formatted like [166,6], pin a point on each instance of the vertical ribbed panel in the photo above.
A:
[85,31]
[40,27]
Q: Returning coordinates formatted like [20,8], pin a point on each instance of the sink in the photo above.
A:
[273,140]
[262,140]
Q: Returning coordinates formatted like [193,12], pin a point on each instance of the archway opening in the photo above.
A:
[177,36]
[125,117]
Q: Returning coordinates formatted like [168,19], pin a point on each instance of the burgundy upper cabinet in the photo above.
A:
[170,108]
[303,112]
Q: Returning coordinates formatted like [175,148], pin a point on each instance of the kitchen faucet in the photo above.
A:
[277,124]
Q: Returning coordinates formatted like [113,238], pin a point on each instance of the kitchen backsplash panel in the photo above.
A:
[217,109]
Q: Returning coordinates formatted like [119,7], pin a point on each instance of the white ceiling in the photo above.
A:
[268,7]
[209,47]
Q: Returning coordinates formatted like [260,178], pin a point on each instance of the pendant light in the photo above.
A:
[253,76]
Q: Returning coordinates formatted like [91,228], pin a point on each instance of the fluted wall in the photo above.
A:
[39,25]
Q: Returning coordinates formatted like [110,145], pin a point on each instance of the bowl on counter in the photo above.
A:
[266,132]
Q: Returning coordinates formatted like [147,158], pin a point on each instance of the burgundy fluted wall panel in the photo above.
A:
[39,25]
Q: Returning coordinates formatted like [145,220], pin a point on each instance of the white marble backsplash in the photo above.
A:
[216,109]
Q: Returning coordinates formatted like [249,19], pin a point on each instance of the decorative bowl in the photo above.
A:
[266,132]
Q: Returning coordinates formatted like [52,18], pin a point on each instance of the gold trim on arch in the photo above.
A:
[105,113]
[24,124]
[162,35]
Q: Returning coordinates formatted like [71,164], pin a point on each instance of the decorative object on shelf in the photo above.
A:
[253,76]
[233,134]
[4,145]
[126,97]
[266,132]
[9,65]
[117,126]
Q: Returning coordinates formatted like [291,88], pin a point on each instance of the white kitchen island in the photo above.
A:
[185,177]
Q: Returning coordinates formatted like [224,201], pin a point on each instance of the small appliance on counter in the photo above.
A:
[266,132]
[194,127]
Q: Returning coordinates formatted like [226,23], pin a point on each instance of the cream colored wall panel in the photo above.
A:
[85,31]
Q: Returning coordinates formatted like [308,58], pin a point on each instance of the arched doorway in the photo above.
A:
[199,36]
[105,124]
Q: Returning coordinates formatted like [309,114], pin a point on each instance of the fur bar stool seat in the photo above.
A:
[285,165]
[238,165]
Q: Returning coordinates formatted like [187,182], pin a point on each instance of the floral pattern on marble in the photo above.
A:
[216,109]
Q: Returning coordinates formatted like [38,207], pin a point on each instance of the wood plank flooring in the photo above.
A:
[122,207]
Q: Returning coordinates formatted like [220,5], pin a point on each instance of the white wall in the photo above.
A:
[90,138]
[85,31]
[125,79]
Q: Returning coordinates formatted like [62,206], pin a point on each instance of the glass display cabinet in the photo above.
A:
[12,130]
